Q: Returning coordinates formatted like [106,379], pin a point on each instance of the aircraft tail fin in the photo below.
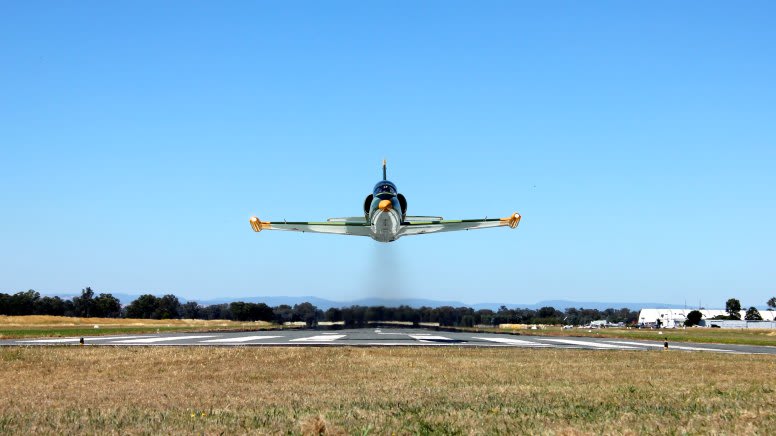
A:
[385,175]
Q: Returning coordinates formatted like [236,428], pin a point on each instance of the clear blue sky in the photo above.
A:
[637,139]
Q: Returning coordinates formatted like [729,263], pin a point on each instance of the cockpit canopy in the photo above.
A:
[384,187]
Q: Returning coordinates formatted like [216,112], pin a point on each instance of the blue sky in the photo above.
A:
[637,139]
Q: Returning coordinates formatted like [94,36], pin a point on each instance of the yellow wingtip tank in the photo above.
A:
[512,221]
[257,225]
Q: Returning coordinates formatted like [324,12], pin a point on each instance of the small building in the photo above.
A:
[670,318]
[736,324]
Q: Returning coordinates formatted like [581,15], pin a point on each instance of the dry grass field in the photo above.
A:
[54,326]
[446,390]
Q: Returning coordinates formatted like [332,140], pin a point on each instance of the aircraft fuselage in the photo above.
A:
[385,212]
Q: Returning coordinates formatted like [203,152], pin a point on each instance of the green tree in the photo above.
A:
[20,303]
[283,313]
[239,311]
[107,306]
[733,308]
[53,306]
[251,311]
[216,311]
[143,307]
[261,312]
[169,308]
[306,312]
[467,321]
[333,314]
[191,310]
[84,305]
[772,303]
[752,314]
[693,318]
[5,304]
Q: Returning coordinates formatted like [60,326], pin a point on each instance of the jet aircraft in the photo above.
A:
[385,219]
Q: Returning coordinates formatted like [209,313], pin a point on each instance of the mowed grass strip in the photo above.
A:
[32,326]
[693,334]
[450,390]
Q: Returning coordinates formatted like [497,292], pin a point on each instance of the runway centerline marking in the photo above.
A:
[240,339]
[319,338]
[165,339]
[510,341]
[588,344]
[678,347]
[432,338]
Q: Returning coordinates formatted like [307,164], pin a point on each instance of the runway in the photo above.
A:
[389,337]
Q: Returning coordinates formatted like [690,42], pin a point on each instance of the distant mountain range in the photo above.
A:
[325,304]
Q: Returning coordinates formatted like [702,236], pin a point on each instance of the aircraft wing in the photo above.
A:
[422,227]
[423,218]
[334,227]
[349,220]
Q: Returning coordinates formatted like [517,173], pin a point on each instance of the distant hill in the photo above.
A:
[563,304]
[325,304]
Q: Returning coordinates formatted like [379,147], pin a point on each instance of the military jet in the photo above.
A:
[385,219]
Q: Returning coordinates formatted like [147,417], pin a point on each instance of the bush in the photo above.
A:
[693,318]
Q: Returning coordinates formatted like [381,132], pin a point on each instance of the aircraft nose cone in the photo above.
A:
[384,205]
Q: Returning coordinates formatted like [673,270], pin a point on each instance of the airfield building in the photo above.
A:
[671,318]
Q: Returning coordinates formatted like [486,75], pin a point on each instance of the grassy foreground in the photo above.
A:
[447,390]
[31,326]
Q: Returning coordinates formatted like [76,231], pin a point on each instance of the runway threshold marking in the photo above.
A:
[318,338]
[678,347]
[511,341]
[588,344]
[240,339]
[165,339]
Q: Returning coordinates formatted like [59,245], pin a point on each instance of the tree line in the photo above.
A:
[85,305]
[148,306]
[733,309]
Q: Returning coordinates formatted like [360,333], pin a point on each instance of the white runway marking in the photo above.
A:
[391,333]
[66,340]
[588,344]
[511,341]
[242,339]
[430,338]
[155,340]
[319,338]
[389,344]
[678,347]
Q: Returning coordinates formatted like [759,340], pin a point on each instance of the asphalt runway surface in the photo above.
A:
[386,337]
